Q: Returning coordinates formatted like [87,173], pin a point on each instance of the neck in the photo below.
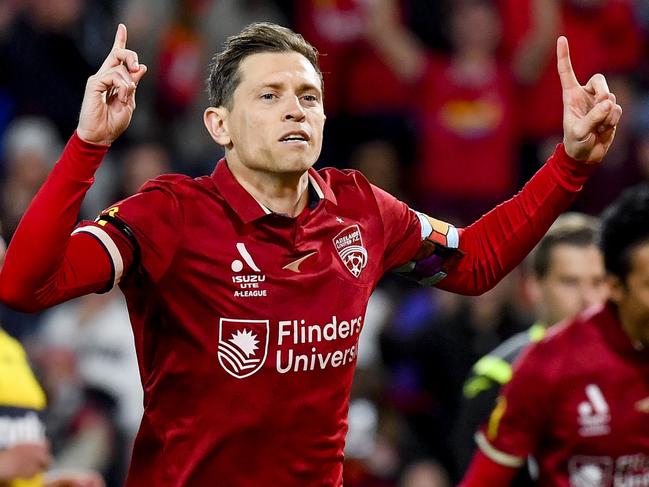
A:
[630,327]
[285,193]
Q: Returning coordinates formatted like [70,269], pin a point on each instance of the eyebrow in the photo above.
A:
[303,87]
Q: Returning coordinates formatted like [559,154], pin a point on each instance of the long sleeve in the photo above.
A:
[500,240]
[44,265]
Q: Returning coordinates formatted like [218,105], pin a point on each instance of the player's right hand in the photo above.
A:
[24,460]
[109,99]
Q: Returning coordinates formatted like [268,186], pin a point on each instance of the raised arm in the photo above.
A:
[44,264]
[398,47]
[534,52]
[498,241]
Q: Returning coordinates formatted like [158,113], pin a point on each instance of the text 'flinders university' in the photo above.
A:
[297,332]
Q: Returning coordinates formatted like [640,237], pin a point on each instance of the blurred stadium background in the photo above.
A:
[450,105]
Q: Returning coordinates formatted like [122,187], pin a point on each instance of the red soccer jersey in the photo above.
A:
[247,322]
[578,402]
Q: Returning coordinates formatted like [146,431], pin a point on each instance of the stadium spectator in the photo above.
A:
[578,400]
[247,289]
[465,105]
[78,418]
[97,330]
[141,162]
[52,44]
[337,28]
[606,32]
[566,276]
[30,144]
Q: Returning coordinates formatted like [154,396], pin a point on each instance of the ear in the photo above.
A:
[216,122]
[617,288]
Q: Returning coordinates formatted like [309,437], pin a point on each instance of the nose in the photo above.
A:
[294,110]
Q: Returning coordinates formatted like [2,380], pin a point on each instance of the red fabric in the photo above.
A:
[37,276]
[43,265]
[227,274]
[215,266]
[384,93]
[467,137]
[602,39]
[483,471]
[180,71]
[579,414]
[498,241]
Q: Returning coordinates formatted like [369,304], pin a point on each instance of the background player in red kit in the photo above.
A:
[578,401]
[566,276]
[247,289]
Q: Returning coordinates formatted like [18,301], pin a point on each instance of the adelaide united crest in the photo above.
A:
[243,346]
[349,245]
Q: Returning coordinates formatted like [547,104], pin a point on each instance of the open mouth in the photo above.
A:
[299,137]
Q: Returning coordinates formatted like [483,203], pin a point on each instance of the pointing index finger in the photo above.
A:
[564,66]
[120,37]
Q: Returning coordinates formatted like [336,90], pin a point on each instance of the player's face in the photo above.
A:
[632,296]
[575,280]
[277,116]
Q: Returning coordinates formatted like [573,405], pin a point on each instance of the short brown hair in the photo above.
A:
[256,38]
[574,229]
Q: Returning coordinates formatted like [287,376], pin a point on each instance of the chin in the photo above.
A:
[295,163]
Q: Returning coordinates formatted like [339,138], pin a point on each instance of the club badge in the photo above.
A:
[349,245]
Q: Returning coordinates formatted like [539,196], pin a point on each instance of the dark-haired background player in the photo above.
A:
[247,289]
[566,276]
[578,401]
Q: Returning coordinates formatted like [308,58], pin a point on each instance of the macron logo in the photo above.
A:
[594,416]
[237,265]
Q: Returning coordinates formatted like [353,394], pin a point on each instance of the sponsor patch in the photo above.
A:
[243,346]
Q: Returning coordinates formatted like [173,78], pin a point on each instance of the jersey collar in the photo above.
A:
[247,207]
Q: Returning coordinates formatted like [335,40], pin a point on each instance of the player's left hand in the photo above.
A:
[590,112]
[73,478]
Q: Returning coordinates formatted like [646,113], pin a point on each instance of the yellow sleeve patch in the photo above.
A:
[496,416]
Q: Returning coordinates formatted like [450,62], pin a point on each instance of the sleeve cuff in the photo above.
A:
[570,173]
[502,458]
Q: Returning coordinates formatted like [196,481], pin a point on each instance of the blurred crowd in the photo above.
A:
[451,105]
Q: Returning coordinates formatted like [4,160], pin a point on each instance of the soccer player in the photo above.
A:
[578,400]
[247,288]
[567,276]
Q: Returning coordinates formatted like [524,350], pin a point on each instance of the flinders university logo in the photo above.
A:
[243,346]
[349,245]
[590,471]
